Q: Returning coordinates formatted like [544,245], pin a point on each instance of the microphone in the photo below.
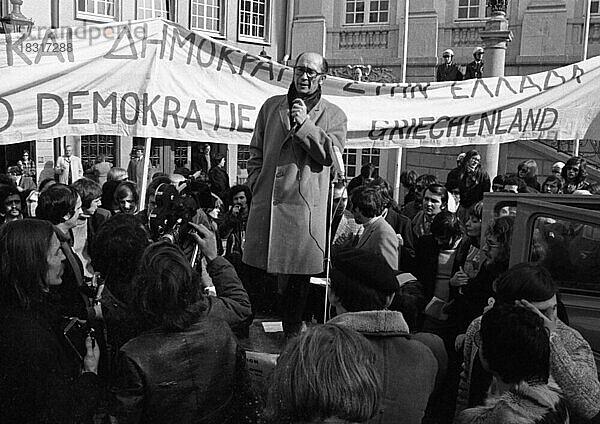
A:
[292,120]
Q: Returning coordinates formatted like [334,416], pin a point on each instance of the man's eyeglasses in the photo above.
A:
[572,168]
[310,73]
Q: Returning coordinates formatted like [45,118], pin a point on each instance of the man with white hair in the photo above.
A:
[448,70]
[68,167]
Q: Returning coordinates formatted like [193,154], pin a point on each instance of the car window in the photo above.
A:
[569,249]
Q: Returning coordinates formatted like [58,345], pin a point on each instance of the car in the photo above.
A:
[561,232]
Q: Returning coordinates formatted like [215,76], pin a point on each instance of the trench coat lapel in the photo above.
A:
[284,114]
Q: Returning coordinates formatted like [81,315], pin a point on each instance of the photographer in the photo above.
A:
[40,374]
[184,342]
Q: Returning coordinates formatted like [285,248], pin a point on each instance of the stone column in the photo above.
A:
[494,37]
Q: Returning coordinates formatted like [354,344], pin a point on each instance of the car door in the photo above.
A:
[566,240]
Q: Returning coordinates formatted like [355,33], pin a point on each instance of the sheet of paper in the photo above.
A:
[319,281]
[272,327]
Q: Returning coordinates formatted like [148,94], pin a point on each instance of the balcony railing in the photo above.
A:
[363,39]
[466,37]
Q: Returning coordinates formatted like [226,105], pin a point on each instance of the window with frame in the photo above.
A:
[93,146]
[153,9]
[569,249]
[354,159]
[595,7]
[359,12]
[243,154]
[254,17]
[207,15]
[471,9]
[104,9]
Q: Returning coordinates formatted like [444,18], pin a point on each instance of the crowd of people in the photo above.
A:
[110,312]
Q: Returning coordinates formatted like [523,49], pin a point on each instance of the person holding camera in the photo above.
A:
[185,367]
[42,379]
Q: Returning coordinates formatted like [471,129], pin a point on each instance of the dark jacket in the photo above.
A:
[219,180]
[402,225]
[474,70]
[193,376]
[231,305]
[407,367]
[426,264]
[472,187]
[473,297]
[40,379]
[454,176]
[448,73]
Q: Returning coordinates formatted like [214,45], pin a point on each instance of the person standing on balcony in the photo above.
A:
[448,70]
[475,68]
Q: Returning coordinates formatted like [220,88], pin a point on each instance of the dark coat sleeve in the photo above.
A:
[128,392]
[232,303]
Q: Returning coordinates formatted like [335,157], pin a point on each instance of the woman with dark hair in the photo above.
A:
[575,173]
[473,292]
[41,374]
[185,367]
[61,205]
[469,257]
[474,182]
[119,246]
[107,200]
[126,197]
[553,185]
[527,171]
[219,180]
[326,375]
[572,364]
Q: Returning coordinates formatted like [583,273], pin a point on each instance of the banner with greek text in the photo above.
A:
[154,78]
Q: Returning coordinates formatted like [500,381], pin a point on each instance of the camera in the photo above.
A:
[176,207]
[75,333]
[169,220]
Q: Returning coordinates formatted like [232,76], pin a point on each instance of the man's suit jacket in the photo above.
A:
[380,237]
[76,169]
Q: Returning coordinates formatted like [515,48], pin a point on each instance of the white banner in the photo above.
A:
[154,78]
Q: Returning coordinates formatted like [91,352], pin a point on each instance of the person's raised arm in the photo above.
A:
[315,140]
[232,302]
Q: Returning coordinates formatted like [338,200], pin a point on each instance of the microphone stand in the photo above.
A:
[338,178]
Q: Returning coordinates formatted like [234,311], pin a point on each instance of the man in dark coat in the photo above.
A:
[475,68]
[448,71]
[289,173]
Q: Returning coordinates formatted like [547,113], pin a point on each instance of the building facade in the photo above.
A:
[256,26]
[546,34]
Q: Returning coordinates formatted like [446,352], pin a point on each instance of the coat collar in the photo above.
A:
[373,322]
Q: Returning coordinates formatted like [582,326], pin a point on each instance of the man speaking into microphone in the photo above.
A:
[291,153]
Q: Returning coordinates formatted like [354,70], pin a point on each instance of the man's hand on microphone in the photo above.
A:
[299,112]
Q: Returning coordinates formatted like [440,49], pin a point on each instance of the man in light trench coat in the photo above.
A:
[289,174]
